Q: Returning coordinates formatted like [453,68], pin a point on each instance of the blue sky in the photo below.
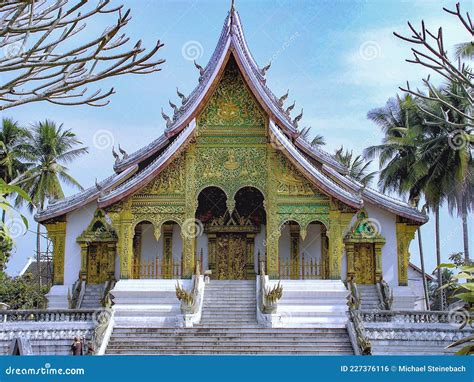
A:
[338,58]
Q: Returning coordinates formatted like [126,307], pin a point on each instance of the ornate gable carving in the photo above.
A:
[290,182]
[171,181]
[232,104]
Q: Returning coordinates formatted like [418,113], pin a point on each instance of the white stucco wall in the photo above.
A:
[311,245]
[77,222]
[415,283]
[151,248]
[387,224]
[202,244]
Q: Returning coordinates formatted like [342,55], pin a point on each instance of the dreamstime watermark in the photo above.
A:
[192,50]
[370,50]
[103,139]
[15,227]
[458,140]
[288,42]
[47,369]
[459,317]
[192,228]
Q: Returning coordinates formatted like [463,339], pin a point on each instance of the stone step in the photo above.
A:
[252,328]
[229,340]
[173,351]
[230,345]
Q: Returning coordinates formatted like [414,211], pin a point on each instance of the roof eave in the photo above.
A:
[88,196]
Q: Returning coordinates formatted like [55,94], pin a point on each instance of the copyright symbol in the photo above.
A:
[394,368]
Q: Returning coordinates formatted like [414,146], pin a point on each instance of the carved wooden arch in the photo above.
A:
[98,230]
[364,231]
[157,222]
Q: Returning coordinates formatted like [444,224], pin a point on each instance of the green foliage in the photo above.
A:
[6,242]
[462,284]
[50,148]
[358,168]
[434,290]
[21,292]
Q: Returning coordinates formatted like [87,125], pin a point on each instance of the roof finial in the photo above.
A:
[116,156]
[231,14]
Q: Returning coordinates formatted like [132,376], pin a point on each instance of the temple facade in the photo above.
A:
[229,185]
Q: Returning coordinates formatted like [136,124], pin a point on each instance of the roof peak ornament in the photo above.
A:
[298,118]
[200,68]
[174,107]
[123,152]
[265,68]
[290,108]
[116,156]
[283,98]
[182,96]
[98,186]
[166,118]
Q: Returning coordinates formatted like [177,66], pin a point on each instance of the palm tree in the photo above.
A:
[358,168]
[12,151]
[401,122]
[51,147]
[465,50]
[318,139]
[449,148]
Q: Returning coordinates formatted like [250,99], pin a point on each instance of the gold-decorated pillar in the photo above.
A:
[405,234]
[338,222]
[167,251]
[190,228]
[272,239]
[350,261]
[83,272]
[57,234]
[122,222]
[111,247]
[378,261]
[294,251]
[250,248]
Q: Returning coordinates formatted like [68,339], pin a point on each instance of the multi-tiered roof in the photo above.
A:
[134,171]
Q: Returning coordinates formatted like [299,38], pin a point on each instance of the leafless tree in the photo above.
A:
[46,54]
[430,52]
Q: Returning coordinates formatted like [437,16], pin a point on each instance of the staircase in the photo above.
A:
[228,326]
[369,297]
[92,297]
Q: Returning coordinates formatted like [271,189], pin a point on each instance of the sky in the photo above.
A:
[338,58]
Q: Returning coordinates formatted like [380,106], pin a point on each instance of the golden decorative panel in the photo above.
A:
[231,106]
[171,181]
[364,263]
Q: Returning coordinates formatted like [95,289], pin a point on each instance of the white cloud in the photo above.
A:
[377,59]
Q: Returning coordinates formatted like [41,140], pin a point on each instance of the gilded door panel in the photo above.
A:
[97,264]
[230,257]
[364,264]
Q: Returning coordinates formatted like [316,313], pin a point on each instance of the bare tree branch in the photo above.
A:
[48,57]
[430,53]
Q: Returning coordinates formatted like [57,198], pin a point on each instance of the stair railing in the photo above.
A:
[103,330]
[106,300]
[355,326]
[191,302]
[268,296]
[78,290]
[385,294]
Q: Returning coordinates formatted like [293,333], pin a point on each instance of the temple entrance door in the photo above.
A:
[364,263]
[97,263]
[230,256]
